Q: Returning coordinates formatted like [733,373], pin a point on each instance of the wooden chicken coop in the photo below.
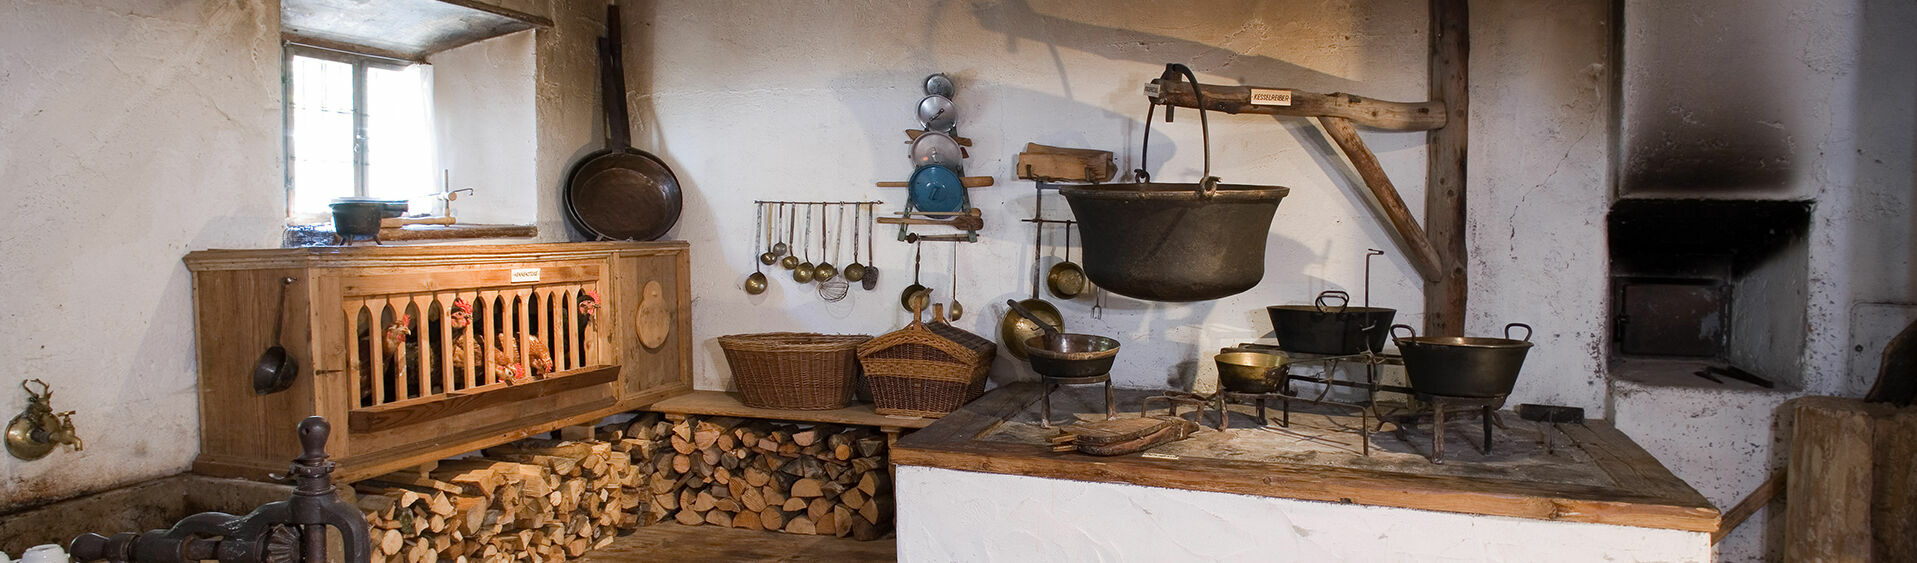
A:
[427,352]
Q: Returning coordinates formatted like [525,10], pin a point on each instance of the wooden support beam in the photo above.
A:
[1377,114]
[1411,237]
[1444,192]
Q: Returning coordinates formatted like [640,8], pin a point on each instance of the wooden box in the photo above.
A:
[419,353]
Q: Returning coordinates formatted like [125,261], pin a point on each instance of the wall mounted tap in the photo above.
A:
[34,433]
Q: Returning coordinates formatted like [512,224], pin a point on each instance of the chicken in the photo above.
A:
[392,344]
[538,356]
[590,305]
[506,366]
[463,340]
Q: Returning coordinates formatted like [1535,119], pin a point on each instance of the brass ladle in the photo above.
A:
[755,283]
[957,309]
[803,273]
[916,296]
[855,271]
[789,261]
[825,271]
[772,252]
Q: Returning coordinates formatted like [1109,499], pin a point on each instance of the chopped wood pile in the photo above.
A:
[532,500]
[758,475]
[551,500]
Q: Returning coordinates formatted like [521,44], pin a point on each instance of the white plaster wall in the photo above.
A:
[484,112]
[134,132]
[744,107]
[1538,188]
[946,515]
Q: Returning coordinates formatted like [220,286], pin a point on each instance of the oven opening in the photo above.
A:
[1708,292]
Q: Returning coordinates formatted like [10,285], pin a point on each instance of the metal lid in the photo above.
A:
[937,113]
[938,149]
[939,85]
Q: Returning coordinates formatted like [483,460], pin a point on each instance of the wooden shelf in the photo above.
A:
[1633,489]
[720,403]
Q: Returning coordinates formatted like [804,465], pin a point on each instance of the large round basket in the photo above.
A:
[794,370]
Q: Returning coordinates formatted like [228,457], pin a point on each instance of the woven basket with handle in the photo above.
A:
[926,369]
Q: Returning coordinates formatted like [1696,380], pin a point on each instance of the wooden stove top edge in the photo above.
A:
[1647,494]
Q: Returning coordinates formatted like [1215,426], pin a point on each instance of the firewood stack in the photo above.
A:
[722,471]
[533,500]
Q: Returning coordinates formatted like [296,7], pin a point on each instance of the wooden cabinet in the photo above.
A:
[419,353]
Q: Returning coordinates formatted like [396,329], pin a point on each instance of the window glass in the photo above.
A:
[320,151]
[333,97]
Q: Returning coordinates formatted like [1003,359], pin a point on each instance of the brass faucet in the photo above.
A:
[34,433]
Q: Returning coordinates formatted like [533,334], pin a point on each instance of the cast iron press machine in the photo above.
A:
[288,531]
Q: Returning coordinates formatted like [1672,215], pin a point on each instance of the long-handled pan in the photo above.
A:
[620,193]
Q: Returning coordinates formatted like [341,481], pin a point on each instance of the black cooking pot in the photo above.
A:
[1463,366]
[1175,242]
[1337,329]
[359,217]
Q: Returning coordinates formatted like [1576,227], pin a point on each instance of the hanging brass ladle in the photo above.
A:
[803,273]
[855,271]
[755,283]
[790,261]
[825,271]
[773,251]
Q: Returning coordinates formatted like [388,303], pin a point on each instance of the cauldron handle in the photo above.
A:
[1344,299]
[1207,185]
[1527,331]
[1407,328]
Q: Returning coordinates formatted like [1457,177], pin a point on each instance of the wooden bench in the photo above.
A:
[720,403]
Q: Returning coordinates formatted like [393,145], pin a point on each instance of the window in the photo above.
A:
[357,126]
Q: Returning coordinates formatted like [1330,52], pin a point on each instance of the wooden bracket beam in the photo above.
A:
[1444,193]
[1411,237]
[1377,114]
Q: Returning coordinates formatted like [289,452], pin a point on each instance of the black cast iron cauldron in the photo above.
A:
[1175,242]
[1339,330]
[1463,366]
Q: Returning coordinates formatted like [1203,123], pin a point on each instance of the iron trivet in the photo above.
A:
[1485,407]
[1051,383]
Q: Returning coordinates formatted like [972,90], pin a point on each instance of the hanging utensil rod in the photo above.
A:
[768,202]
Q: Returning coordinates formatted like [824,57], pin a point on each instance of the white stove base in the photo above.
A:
[946,515]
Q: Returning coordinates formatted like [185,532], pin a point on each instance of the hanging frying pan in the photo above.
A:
[620,193]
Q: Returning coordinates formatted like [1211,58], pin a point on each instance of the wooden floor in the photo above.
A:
[676,542]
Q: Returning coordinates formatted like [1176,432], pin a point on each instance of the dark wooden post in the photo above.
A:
[1444,209]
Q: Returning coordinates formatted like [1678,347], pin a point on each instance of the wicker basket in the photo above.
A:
[926,369]
[794,370]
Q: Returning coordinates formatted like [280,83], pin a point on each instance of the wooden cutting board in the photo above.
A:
[655,316]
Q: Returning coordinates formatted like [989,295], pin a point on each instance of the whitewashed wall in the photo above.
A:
[808,100]
[133,132]
[947,515]
[137,131]
[484,111]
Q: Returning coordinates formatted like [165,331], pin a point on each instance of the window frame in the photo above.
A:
[360,62]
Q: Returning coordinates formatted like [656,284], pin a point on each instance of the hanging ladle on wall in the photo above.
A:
[916,296]
[276,369]
[825,271]
[790,260]
[772,251]
[1066,279]
[957,309]
[855,271]
[803,273]
[755,283]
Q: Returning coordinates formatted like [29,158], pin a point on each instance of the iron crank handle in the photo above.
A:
[1343,298]
[1526,327]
